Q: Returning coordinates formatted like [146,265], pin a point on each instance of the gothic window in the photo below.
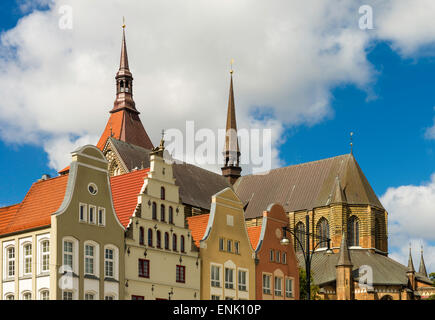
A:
[154,211]
[166,241]
[353,231]
[162,212]
[174,242]
[159,239]
[300,234]
[171,215]
[322,232]
[162,193]
[141,236]
[150,237]
[122,85]
[182,244]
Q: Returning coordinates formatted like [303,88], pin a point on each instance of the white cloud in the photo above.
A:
[288,56]
[412,219]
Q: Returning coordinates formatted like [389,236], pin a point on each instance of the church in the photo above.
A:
[330,198]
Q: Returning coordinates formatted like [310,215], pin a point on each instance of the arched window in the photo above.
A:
[45,256]
[162,212]
[300,234]
[121,85]
[10,262]
[162,193]
[159,239]
[377,234]
[166,241]
[154,211]
[174,242]
[182,244]
[322,232]
[141,236]
[150,237]
[171,215]
[353,231]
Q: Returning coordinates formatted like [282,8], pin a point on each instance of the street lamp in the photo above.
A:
[306,252]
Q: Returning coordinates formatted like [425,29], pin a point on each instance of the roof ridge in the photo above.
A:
[10,206]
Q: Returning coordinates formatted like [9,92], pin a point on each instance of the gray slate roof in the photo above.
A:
[386,271]
[306,186]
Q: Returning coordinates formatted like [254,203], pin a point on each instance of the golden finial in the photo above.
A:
[231,63]
[351,143]
[123,22]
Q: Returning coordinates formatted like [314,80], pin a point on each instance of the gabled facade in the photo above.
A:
[226,254]
[276,268]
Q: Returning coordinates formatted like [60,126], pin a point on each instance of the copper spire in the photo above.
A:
[123,65]
[422,270]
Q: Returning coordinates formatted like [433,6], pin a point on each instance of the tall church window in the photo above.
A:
[159,239]
[174,242]
[141,236]
[300,234]
[353,231]
[162,213]
[150,237]
[182,244]
[154,211]
[166,241]
[162,193]
[322,232]
[171,215]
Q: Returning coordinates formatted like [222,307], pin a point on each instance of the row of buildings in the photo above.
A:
[123,222]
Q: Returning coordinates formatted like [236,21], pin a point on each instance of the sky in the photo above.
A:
[305,70]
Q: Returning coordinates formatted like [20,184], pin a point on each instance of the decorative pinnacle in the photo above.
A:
[231,63]
[123,22]
[351,142]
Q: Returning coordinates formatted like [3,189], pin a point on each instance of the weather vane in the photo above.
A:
[351,142]
[231,63]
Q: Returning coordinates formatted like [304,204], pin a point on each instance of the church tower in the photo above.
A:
[344,289]
[422,270]
[231,169]
[124,123]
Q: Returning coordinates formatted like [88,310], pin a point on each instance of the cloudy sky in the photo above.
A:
[304,69]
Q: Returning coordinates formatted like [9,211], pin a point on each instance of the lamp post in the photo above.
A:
[306,252]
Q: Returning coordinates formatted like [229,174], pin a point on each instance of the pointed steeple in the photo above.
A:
[410,263]
[338,195]
[231,153]
[422,269]
[344,258]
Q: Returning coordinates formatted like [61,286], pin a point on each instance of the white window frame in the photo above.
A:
[89,259]
[277,289]
[213,281]
[289,293]
[27,258]
[45,255]
[85,212]
[267,289]
[68,253]
[215,297]
[102,213]
[90,294]
[92,217]
[42,293]
[9,296]
[284,257]
[229,245]
[278,256]
[242,286]
[27,295]
[237,247]
[114,260]
[67,292]
[10,262]
[229,280]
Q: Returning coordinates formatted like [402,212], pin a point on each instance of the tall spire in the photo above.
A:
[410,263]
[124,81]
[422,269]
[344,258]
[231,153]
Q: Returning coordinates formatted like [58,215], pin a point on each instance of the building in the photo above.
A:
[64,240]
[276,266]
[227,258]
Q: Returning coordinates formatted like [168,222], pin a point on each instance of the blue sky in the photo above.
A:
[389,105]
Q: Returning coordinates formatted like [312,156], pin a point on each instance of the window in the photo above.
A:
[67,295]
[182,244]
[144,268]
[68,254]
[162,193]
[242,280]
[284,258]
[300,234]
[214,297]
[45,256]
[353,231]
[229,284]
[44,295]
[174,242]
[101,216]
[141,236]
[215,276]
[221,244]
[266,284]
[89,259]
[166,241]
[181,274]
[278,286]
[236,247]
[27,258]
[377,233]
[323,232]
[159,239]
[137,297]
[278,256]
[10,262]
[154,211]
[109,298]
[92,188]
[289,288]
[82,212]
[271,255]
[92,214]
[10,297]
[171,215]
[150,237]
[162,213]
[89,296]
[108,263]
[229,245]
[27,296]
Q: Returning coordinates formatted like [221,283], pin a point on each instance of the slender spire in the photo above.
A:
[422,269]
[344,258]
[231,152]
[338,195]
[410,263]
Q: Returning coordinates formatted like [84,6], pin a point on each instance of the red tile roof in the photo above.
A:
[197,225]
[254,235]
[125,189]
[40,202]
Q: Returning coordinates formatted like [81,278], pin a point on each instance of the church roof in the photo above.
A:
[386,271]
[306,186]
[198,225]
[41,201]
